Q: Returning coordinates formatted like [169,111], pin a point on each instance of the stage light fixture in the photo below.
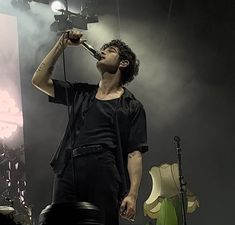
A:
[61,23]
[65,22]
[68,20]
[89,11]
[57,5]
[79,22]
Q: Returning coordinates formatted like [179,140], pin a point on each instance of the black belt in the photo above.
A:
[86,150]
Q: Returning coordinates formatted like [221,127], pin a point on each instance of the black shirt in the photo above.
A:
[99,127]
[129,119]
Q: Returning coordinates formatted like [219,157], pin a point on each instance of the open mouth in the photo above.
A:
[102,57]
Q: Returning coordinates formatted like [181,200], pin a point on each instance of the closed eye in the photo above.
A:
[112,49]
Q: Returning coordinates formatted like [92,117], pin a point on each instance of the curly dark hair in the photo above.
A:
[125,53]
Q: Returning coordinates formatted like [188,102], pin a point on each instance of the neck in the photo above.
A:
[110,83]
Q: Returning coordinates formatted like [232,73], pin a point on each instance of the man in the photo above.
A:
[100,157]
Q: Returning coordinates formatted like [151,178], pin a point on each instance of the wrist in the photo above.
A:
[60,45]
[133,195]
[57,50]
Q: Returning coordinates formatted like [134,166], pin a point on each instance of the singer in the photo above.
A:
[99,159]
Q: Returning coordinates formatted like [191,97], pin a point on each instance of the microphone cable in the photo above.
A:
[70,115]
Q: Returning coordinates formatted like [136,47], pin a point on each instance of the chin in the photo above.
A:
[99,65]
[104,67]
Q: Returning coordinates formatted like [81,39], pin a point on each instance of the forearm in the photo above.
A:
[44,72]
[135,172]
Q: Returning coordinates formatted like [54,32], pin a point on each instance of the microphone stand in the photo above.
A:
[181,179]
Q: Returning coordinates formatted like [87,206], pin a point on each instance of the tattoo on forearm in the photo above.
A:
[41,67]
[59,46]
[50,69]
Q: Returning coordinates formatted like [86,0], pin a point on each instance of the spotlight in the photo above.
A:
[57,5]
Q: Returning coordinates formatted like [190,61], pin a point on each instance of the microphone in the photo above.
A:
[177,142]
[177,139]
[91,50]
[95,53]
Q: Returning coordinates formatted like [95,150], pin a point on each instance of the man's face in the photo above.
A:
[109,61]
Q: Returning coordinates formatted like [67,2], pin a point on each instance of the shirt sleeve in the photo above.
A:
[64,92]
[138,130]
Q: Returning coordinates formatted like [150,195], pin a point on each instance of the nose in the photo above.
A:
[103,52]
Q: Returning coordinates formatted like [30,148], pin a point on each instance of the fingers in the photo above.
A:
[72,37]
[127,210]
[74,34]
[130,213]
[123,208]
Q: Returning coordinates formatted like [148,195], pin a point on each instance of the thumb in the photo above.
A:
[123,206]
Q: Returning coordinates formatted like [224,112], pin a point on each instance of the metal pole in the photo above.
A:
[181,179]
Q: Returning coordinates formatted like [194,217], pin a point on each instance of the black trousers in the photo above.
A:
[92,178]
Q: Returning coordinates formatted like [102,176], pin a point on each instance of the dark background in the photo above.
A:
[186,83]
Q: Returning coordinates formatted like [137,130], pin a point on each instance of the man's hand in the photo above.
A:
[72,38]
[128,207]
[134,166]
